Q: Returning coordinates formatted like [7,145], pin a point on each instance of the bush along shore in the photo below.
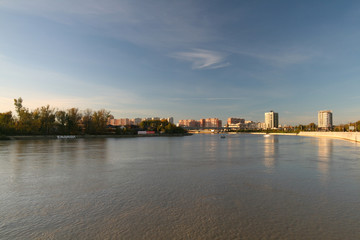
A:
[48,122]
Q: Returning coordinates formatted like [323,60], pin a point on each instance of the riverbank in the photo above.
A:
[72,137]
[263,133]
[350,136]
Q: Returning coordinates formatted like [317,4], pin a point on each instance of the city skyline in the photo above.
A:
[186,59]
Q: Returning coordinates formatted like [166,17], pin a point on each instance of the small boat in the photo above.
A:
[267,135]
[222,136]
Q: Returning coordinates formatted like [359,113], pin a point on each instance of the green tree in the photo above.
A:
[7,123]
[26,121]
[99,121]
[357,126]
[312,127]
[46,120]
[18,105]
[46,117]
[60,122]
[87,121]
[73,117]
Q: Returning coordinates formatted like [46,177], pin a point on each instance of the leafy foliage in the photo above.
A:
[7,123]
[46,120]
[161,126]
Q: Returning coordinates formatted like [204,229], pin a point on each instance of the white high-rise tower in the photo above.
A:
[325,120]
[271,120]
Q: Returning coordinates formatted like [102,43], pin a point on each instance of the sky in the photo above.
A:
[187,59]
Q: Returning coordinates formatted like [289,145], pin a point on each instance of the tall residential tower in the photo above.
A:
[325,120]
[271,120]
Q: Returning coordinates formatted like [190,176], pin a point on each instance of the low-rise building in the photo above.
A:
[234,120]
[202,123]
[134,121]
[189,123]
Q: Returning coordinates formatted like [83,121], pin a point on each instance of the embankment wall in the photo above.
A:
[352,136]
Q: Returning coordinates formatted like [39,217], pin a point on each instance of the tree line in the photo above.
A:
[46,120]
[353,126]
[161,126]
[157,126]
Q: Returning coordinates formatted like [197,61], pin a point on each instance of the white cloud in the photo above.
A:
[280,58]
[202,59]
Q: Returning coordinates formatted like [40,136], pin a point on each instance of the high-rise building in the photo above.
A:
[271,120]
[325,120]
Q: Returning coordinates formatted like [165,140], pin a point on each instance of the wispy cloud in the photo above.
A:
[281,58]
[203,59]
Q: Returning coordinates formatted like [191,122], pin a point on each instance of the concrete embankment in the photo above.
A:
[352,136]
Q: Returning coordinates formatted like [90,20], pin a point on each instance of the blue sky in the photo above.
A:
[186,59]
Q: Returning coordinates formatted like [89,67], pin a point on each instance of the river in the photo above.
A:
[194,187]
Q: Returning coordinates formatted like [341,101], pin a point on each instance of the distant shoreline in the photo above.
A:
[347,136]
[73,137]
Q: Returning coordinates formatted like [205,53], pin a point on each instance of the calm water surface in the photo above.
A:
[196,187]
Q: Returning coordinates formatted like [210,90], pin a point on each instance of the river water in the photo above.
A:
[194,187]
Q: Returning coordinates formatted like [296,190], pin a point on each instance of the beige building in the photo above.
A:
[191,123]
[210,123]
[325,120]
[135,121]
[261,125]
[233,120]
[202,123]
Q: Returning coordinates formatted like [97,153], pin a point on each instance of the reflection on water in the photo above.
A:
[198,187]
[270,151]
[325,150]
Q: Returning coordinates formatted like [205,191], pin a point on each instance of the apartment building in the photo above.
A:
[325,120]
[271,120]
[202,123]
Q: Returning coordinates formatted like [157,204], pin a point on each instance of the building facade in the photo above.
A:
[325,120]
[271,120]
[202,123]
[134,121]
[210,123]
[233,120]
[190,123]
